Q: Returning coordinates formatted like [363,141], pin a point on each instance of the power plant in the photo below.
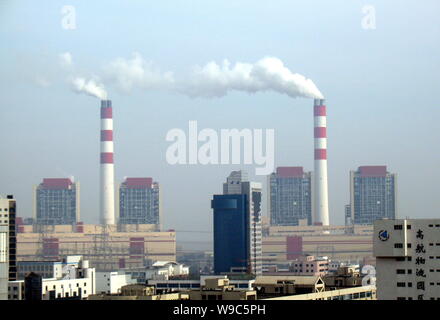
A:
[107,192]
[321,216]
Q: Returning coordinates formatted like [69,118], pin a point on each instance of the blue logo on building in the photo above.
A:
[384,235]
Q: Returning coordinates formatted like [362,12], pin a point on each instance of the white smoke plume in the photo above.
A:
[137,72]
[268,74]
[89,87]
[65,60]
[209,81]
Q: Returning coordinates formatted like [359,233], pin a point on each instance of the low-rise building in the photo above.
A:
[78,283]
[112,282]
[310,265]
[356,293]
[159,270]
[221,289]
[344,277]
[280,285]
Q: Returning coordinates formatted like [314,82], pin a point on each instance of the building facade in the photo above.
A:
[373,195]
[8,244]
[107,249]
[238,209]
[56,202]
[78,283]
[407,255]
[139,202]
[290,196]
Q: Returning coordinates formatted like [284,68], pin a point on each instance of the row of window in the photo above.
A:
[410,298]
[409,284]
[408,245]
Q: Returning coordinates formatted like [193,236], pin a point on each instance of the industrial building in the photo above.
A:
[56,202]
[139,202]
[106,247]
[407,255]
[8,245]
[284,244]
[290,196]
[237,226]
[373,195]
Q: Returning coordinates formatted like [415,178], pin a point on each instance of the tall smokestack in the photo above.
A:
[321,216]
[107,167]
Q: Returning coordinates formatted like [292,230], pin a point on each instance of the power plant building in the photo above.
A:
[139,202]
[290,196]
[56,202]
[373,195]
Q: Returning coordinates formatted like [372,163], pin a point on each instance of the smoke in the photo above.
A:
[65,60]
[268,74]
[137,72]
[209,81]
[89,87]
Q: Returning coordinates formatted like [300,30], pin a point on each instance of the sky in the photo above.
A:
[381,86]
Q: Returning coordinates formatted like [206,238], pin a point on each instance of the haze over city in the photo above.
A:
[380,88]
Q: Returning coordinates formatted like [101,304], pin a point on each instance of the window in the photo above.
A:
[409,284]
[409,258]
[398,227]
[408,226]
[409,271]
[398,245]
[401,284]
[400,271]
[408,245]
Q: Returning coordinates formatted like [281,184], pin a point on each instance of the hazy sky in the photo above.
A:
[381,86]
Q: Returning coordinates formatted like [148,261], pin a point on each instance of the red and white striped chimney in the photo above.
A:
[321,216]
[107,167]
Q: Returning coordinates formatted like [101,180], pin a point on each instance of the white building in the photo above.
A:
[48,269]
[407,255]
[111,282]
[77,282]
[160,270]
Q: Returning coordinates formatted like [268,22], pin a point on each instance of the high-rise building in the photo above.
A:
[56,201]
[8,245]
[237,226]
[407,255]
[139,202]
[290,196]
[373,195]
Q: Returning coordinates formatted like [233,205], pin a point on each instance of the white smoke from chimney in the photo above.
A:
[137,72]
[89,87]
[267,74]
[65,60]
